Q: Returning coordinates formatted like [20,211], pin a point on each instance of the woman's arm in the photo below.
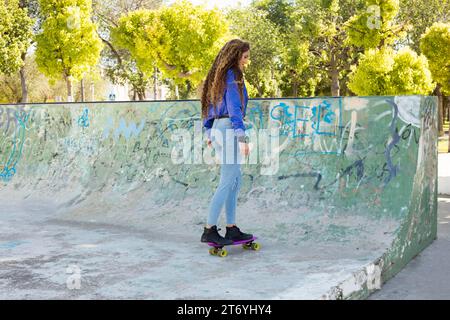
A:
[234,106]
[207,124]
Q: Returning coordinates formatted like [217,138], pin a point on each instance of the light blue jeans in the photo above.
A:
[226,147]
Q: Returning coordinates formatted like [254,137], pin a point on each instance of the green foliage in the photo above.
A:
[266,46]
[15,35]
[384,72]
[280,12]
[300,76]
[421,14]
[410,74]
[119,65]
[435,45]
[371,75]
[127,72]
[320,24]
[298,48]
[68,44]
[181,40]
[140,32]
[38,87]
[374,25]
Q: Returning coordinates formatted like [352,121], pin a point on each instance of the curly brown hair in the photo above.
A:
[214,85]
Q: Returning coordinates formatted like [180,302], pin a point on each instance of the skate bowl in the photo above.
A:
[104,201]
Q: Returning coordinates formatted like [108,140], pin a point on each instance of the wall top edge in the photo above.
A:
[197,100]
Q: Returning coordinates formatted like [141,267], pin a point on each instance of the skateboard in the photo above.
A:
[218,250]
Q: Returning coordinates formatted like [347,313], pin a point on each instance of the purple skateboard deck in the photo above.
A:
[219,250]
[212,244]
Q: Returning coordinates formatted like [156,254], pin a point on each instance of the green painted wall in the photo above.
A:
[349,168]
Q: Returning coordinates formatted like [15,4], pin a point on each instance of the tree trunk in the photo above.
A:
[140,91]
[188,89]
[295,88]
[92,91]
[69,90]
[259,89]
[82,90]
[155,85]
[23,81]
[447,107]
[438,93]
[260,92]
[334,73]
[177,95]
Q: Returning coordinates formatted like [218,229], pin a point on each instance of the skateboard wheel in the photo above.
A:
[246,246]
[256,246]
[223,253]
[213,251]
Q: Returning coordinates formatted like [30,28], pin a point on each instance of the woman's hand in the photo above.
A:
[245,148]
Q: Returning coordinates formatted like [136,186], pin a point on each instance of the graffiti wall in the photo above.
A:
[339,170]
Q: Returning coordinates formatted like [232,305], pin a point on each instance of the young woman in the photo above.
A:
[224,103]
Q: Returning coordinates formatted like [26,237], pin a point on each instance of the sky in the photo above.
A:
[219,3]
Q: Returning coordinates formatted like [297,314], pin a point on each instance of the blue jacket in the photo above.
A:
[231,106]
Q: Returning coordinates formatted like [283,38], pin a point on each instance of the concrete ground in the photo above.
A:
[54,259]
[427,276]
[444,173]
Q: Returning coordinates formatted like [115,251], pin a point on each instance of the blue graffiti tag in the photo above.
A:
[9,169]
[296,121]
[322,113]
[124,129]
[288,120]
[83,120]
[7,173]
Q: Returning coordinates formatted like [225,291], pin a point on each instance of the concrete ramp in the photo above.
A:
[108,200]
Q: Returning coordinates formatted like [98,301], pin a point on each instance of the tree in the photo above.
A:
[422,14]
[384,72]
[68,45]
[120,67]
[321,24]
[38,87]
[266,46]
[181,40]
[300,72]
[435,45]
[374,26]
[16,36]
[295,63]
[279,12]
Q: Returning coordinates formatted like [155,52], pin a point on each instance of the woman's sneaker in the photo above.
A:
[212,235]
[234,234]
